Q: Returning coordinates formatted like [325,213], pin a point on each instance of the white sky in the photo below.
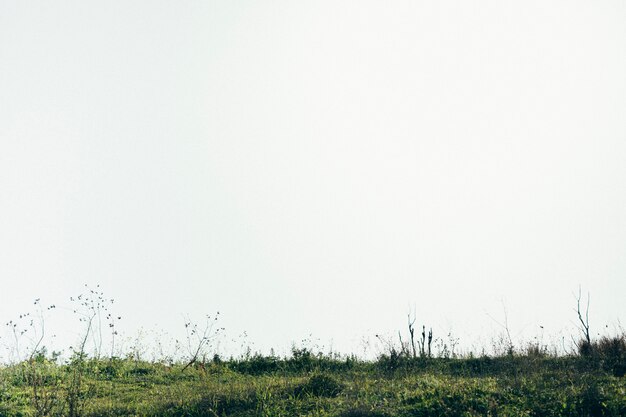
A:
[316,167]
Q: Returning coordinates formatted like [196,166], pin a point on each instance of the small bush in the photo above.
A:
[302,359]
[320,386]
[591,400]
[608,353]
[256,365]
[479,366]
[585,348]
[612,353]
[392,361]
[113,368]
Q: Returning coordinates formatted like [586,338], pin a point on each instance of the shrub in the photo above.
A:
[302,359]
[112,368]
[612,354]
[392,361]
[591,400]
[585,348]
[608,353]
[320,386]
[256,365]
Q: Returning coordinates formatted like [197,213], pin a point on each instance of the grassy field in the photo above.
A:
[406,380]
[313,385]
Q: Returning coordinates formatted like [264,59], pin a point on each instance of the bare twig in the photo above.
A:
[584,322]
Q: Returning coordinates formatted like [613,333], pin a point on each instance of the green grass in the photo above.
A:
[308,385]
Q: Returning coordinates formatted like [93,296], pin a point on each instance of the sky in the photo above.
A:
[316,170]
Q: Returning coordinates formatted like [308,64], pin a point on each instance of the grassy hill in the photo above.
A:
[314,385]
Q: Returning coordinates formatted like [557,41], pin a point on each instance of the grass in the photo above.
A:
[309,385]
[525,382]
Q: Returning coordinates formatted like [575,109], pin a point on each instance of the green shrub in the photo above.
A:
[320,385]
[585,348]
[256,365]
[302,359]
[608,353]
[591,400]
[612,353]
[392,361]
[112,368]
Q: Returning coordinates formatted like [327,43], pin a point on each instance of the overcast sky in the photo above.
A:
[316,168]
